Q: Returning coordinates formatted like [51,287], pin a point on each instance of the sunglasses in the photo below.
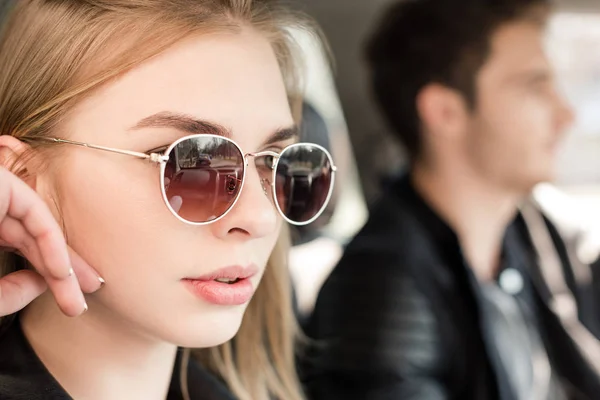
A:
[202,176]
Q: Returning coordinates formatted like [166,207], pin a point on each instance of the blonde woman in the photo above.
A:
[158,137]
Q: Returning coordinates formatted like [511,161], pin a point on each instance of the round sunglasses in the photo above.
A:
[202,176]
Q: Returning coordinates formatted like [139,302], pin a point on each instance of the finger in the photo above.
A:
[68,295]
[22,203]
[19,289]
[89,280]
[4,245]
[16,237]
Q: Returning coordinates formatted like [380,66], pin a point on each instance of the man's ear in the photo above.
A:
[14,157]
[443,111]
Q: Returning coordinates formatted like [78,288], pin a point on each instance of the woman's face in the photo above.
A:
[112,205]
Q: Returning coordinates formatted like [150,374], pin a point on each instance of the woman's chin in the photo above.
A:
[206,333]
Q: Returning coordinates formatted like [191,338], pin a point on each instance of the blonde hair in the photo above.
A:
[54,52]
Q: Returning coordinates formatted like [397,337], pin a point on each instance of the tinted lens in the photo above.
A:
[203,177]
[303,181]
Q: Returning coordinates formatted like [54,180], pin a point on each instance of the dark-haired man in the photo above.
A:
[445,293]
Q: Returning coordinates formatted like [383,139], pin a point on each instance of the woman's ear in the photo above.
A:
[13,157]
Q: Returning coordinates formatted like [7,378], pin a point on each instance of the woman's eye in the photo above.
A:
[267,162]
[270,162]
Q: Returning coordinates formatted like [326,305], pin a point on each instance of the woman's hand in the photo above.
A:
[28,228]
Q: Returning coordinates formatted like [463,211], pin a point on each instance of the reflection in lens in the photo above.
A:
[204,176]
[303,181]
[176,202]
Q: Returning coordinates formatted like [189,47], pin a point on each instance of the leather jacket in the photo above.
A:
[400,316]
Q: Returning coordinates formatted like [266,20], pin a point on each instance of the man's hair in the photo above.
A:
[419,42]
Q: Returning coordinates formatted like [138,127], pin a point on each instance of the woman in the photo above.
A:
[159,135]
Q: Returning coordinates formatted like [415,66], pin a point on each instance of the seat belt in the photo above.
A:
[561,302]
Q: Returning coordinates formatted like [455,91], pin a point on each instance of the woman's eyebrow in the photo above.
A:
[283,134]
[190,125]
[181,122]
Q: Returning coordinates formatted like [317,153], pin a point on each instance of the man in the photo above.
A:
[445,293]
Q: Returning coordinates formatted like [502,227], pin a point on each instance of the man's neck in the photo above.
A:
[93,359]
[476,210]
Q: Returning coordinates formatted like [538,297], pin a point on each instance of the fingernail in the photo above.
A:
[85,307]
[71,272]
[102,281]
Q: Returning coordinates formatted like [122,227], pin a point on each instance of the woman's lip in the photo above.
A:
[224,294]
[231,273]
[238,292]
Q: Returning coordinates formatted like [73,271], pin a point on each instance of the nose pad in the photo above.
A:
[266,185]
[266,175]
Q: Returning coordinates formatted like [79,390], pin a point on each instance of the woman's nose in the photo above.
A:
[254,214]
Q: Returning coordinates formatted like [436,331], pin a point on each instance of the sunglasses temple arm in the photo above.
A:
[152,157]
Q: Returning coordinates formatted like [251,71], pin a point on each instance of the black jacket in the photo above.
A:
[399,317]
[24,377]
